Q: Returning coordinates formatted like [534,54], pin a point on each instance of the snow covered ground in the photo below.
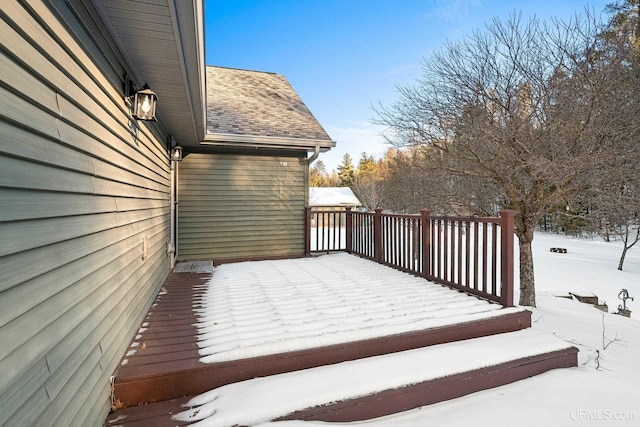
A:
[605,388]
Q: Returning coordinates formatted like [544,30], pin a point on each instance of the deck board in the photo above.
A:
[170,348]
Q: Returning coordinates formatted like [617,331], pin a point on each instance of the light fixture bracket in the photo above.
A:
[128,89]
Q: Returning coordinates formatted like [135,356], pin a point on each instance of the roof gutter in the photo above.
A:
[314,156]
[258,141]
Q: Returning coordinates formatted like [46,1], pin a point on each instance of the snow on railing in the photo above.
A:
[471,254]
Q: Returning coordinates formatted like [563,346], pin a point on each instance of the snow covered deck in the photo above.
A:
[261,318]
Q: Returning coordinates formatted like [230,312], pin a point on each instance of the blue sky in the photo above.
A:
[343,56]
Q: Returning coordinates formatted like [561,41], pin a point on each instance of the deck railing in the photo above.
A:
[471,254]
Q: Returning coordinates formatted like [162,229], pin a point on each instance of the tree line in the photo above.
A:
[538,117]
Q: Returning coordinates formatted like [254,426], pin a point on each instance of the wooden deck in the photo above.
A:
[164,364]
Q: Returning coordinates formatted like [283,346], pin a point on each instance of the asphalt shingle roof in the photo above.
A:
[243,102]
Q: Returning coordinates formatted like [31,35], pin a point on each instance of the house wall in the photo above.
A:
[241,205]
[80,189]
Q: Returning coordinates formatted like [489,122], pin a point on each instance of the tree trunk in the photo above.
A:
[624,254]
[527,279]
[625,241]
[525,227]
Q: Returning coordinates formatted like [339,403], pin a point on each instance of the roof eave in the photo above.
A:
[257,141]
[190,30]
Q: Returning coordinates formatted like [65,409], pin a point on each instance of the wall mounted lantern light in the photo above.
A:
[176,153]
[144,104]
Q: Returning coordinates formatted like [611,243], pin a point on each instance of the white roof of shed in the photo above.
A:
[332,196]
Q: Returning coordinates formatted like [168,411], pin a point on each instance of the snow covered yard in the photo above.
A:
[605,386]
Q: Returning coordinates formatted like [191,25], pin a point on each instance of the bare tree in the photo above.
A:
[406,186]
[613,200]
[369,182]
[612,205]
[414,180]
[524,109]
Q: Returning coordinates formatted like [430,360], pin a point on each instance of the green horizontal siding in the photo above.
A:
[80,193]
[241,206]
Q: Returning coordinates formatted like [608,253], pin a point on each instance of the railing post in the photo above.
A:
[307,233]
[377,235]
[425,215]
[506,258]
[348,229]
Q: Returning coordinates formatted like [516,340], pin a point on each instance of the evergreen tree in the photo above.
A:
[366,165]
[346,172]
[318,176]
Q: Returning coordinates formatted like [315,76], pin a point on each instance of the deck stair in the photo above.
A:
[348,391]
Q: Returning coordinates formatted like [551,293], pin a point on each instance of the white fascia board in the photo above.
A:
[255,141]
[188,17]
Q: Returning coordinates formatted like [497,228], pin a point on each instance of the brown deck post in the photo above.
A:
[348,227]
[425,215]
[307,233]
[377,235]
[506,258]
